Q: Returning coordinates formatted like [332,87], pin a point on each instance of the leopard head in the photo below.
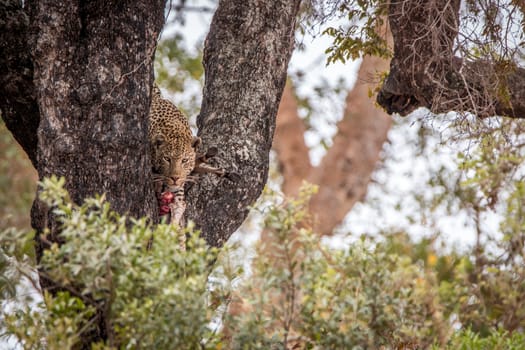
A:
[173,156]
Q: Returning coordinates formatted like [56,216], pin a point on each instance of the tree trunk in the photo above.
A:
[346,169]
[17,91]
[289,146]
[76,84]
[92,76]
[246,55]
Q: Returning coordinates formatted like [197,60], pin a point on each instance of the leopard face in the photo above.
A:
[171,141]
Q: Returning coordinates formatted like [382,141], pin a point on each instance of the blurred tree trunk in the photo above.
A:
[345,171]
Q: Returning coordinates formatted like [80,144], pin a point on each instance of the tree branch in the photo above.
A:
[246,55]
[425,73]
[186,8]
[345,171]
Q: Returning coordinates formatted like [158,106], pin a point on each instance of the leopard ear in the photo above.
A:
[196,142]
[155,91]
[158,140]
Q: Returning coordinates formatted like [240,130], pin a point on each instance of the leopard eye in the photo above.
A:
[185,160]
[166,159]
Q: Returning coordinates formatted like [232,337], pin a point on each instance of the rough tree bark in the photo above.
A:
[246,55]
[425,73]
[78,80]
[92,76]
[17,91]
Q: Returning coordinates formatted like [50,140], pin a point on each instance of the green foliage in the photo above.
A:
[389,292]
[381,300]
[498,340]
[16,246]
[304,293]
[493,279]
[363,32]
[492,166]
[491,30]
[482,287]
[156,298]
[55,324]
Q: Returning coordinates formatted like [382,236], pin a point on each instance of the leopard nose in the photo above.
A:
[177,181]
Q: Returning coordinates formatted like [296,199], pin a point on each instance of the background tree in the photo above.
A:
[345,170]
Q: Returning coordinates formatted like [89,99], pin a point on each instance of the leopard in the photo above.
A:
[174,157]
[172,144]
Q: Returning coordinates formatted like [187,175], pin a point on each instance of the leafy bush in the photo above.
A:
[149,298]
[388,294]
[497,340]
[304,293]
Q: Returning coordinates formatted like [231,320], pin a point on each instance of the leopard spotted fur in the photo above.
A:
[172,145]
